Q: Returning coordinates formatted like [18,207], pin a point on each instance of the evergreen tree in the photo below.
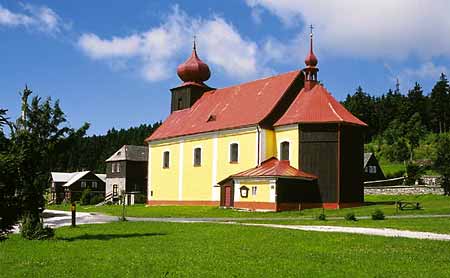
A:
[442,163]
[440,103]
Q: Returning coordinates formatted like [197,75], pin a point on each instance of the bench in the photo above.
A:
[408,205]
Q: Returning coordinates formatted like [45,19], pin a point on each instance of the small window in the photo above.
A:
[284,150]
[83,184]
[372,169]
[113,166]
[234,153]
[94,185]
[118,167]
[115,187]
[197,156]
[254,190]
[166,159]
[180,103]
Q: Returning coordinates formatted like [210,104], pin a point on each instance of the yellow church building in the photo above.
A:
[278,143]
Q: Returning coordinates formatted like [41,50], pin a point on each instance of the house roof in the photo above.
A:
[366,158]
[232,107]
[317,105]
[273,168]
[130,153]
[71,178]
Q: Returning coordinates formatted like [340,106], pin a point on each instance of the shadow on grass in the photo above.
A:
[109,236]
[52,214]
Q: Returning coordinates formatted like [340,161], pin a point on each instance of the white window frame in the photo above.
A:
[117,167]
[238,152]
[94,185]
[201,156]
[254,190]
[113,167]
[83,184]
[162,164]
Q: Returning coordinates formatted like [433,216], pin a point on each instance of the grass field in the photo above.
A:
[126,249]
[432,204]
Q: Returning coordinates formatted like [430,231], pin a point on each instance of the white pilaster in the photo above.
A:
[149,173]
[237,191]
[273,188]
[215,190]
[180,171]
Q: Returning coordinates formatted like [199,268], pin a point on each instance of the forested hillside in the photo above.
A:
[90,152]
[404,126]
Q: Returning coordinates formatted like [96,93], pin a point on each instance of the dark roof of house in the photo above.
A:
[130,153]
[227,108]
[367,156]
[317,105]
[71,178]
[273,168]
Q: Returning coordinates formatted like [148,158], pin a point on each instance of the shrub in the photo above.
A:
[95,199]
[322,217]
[350,216]
[413,172]
[32,228]
[140,199]
[377,215]
[85,197]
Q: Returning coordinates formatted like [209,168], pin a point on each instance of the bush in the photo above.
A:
[85,198]
[96,198]
[322,217]
[350,216]
[140,199]
[32,228]
[377,215]
[413,172]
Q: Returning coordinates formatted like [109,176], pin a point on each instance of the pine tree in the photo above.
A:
[440,102]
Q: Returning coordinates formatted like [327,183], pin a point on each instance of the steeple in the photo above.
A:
[194,69]
[311,62]
[193,73]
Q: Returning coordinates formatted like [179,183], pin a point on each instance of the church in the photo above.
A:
[277,143]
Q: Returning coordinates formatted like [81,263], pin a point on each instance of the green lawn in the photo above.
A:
[432,204]
[392,169]
[217,250]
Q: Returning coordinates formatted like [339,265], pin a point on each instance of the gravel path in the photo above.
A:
[56,218]
[358,230]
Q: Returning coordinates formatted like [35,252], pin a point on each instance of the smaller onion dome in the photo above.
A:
[194,69]
[311,59]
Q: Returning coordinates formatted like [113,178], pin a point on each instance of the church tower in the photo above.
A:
[193,72]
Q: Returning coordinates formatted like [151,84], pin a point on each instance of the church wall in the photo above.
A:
[184,182]
[290,134]
[197,179]
[163,181]
[270,150]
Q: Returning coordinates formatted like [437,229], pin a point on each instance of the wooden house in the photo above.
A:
[126,171]
[69,186]
[372,169]
[277,143]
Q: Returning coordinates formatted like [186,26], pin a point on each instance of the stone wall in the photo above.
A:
[403,190]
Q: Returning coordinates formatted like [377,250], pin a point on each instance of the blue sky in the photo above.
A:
[112,63]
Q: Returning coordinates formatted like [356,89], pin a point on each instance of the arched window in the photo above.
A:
[234,153]
[197,157]
[284,150]
[166,159]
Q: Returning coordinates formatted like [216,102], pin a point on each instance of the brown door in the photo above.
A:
[228,196]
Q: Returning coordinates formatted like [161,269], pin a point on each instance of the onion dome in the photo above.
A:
[194,69]
[311,59]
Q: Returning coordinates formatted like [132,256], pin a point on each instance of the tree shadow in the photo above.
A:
[47,214]
[109,236]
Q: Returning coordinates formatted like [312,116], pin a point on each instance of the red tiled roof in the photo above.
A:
[237,106]
[273,167]
[317,106]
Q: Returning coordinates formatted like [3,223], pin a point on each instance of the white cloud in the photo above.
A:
[390,30]
[40,18]
[158,49]
[426,70]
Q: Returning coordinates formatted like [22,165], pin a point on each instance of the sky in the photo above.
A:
[112,63]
